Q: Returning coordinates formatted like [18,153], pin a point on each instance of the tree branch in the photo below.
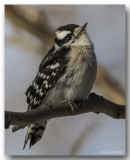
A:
[94,103]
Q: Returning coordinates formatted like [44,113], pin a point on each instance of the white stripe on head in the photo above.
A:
[62,34]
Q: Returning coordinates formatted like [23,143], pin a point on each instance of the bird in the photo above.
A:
[66,74]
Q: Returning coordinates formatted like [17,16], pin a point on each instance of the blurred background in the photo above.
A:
[29,34]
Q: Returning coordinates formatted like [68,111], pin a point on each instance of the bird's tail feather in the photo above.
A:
[35,133]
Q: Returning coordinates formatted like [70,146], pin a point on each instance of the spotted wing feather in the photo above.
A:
[50,70]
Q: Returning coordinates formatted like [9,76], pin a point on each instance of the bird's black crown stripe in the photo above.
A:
[69,27]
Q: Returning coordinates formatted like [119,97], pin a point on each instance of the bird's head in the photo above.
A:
[71,35]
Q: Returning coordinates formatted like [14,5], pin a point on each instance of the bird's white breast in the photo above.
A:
[83,67]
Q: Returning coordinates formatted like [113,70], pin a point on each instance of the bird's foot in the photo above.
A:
[74,105]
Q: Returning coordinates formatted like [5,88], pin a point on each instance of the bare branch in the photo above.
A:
[94,103]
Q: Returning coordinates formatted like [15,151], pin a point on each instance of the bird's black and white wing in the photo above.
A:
[50,70]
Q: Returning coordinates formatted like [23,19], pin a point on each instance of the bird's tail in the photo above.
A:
[35,133]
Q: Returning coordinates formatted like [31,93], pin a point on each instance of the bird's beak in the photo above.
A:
[84,27]
[79,30]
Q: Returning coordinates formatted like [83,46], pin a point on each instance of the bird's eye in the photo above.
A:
[68,36]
